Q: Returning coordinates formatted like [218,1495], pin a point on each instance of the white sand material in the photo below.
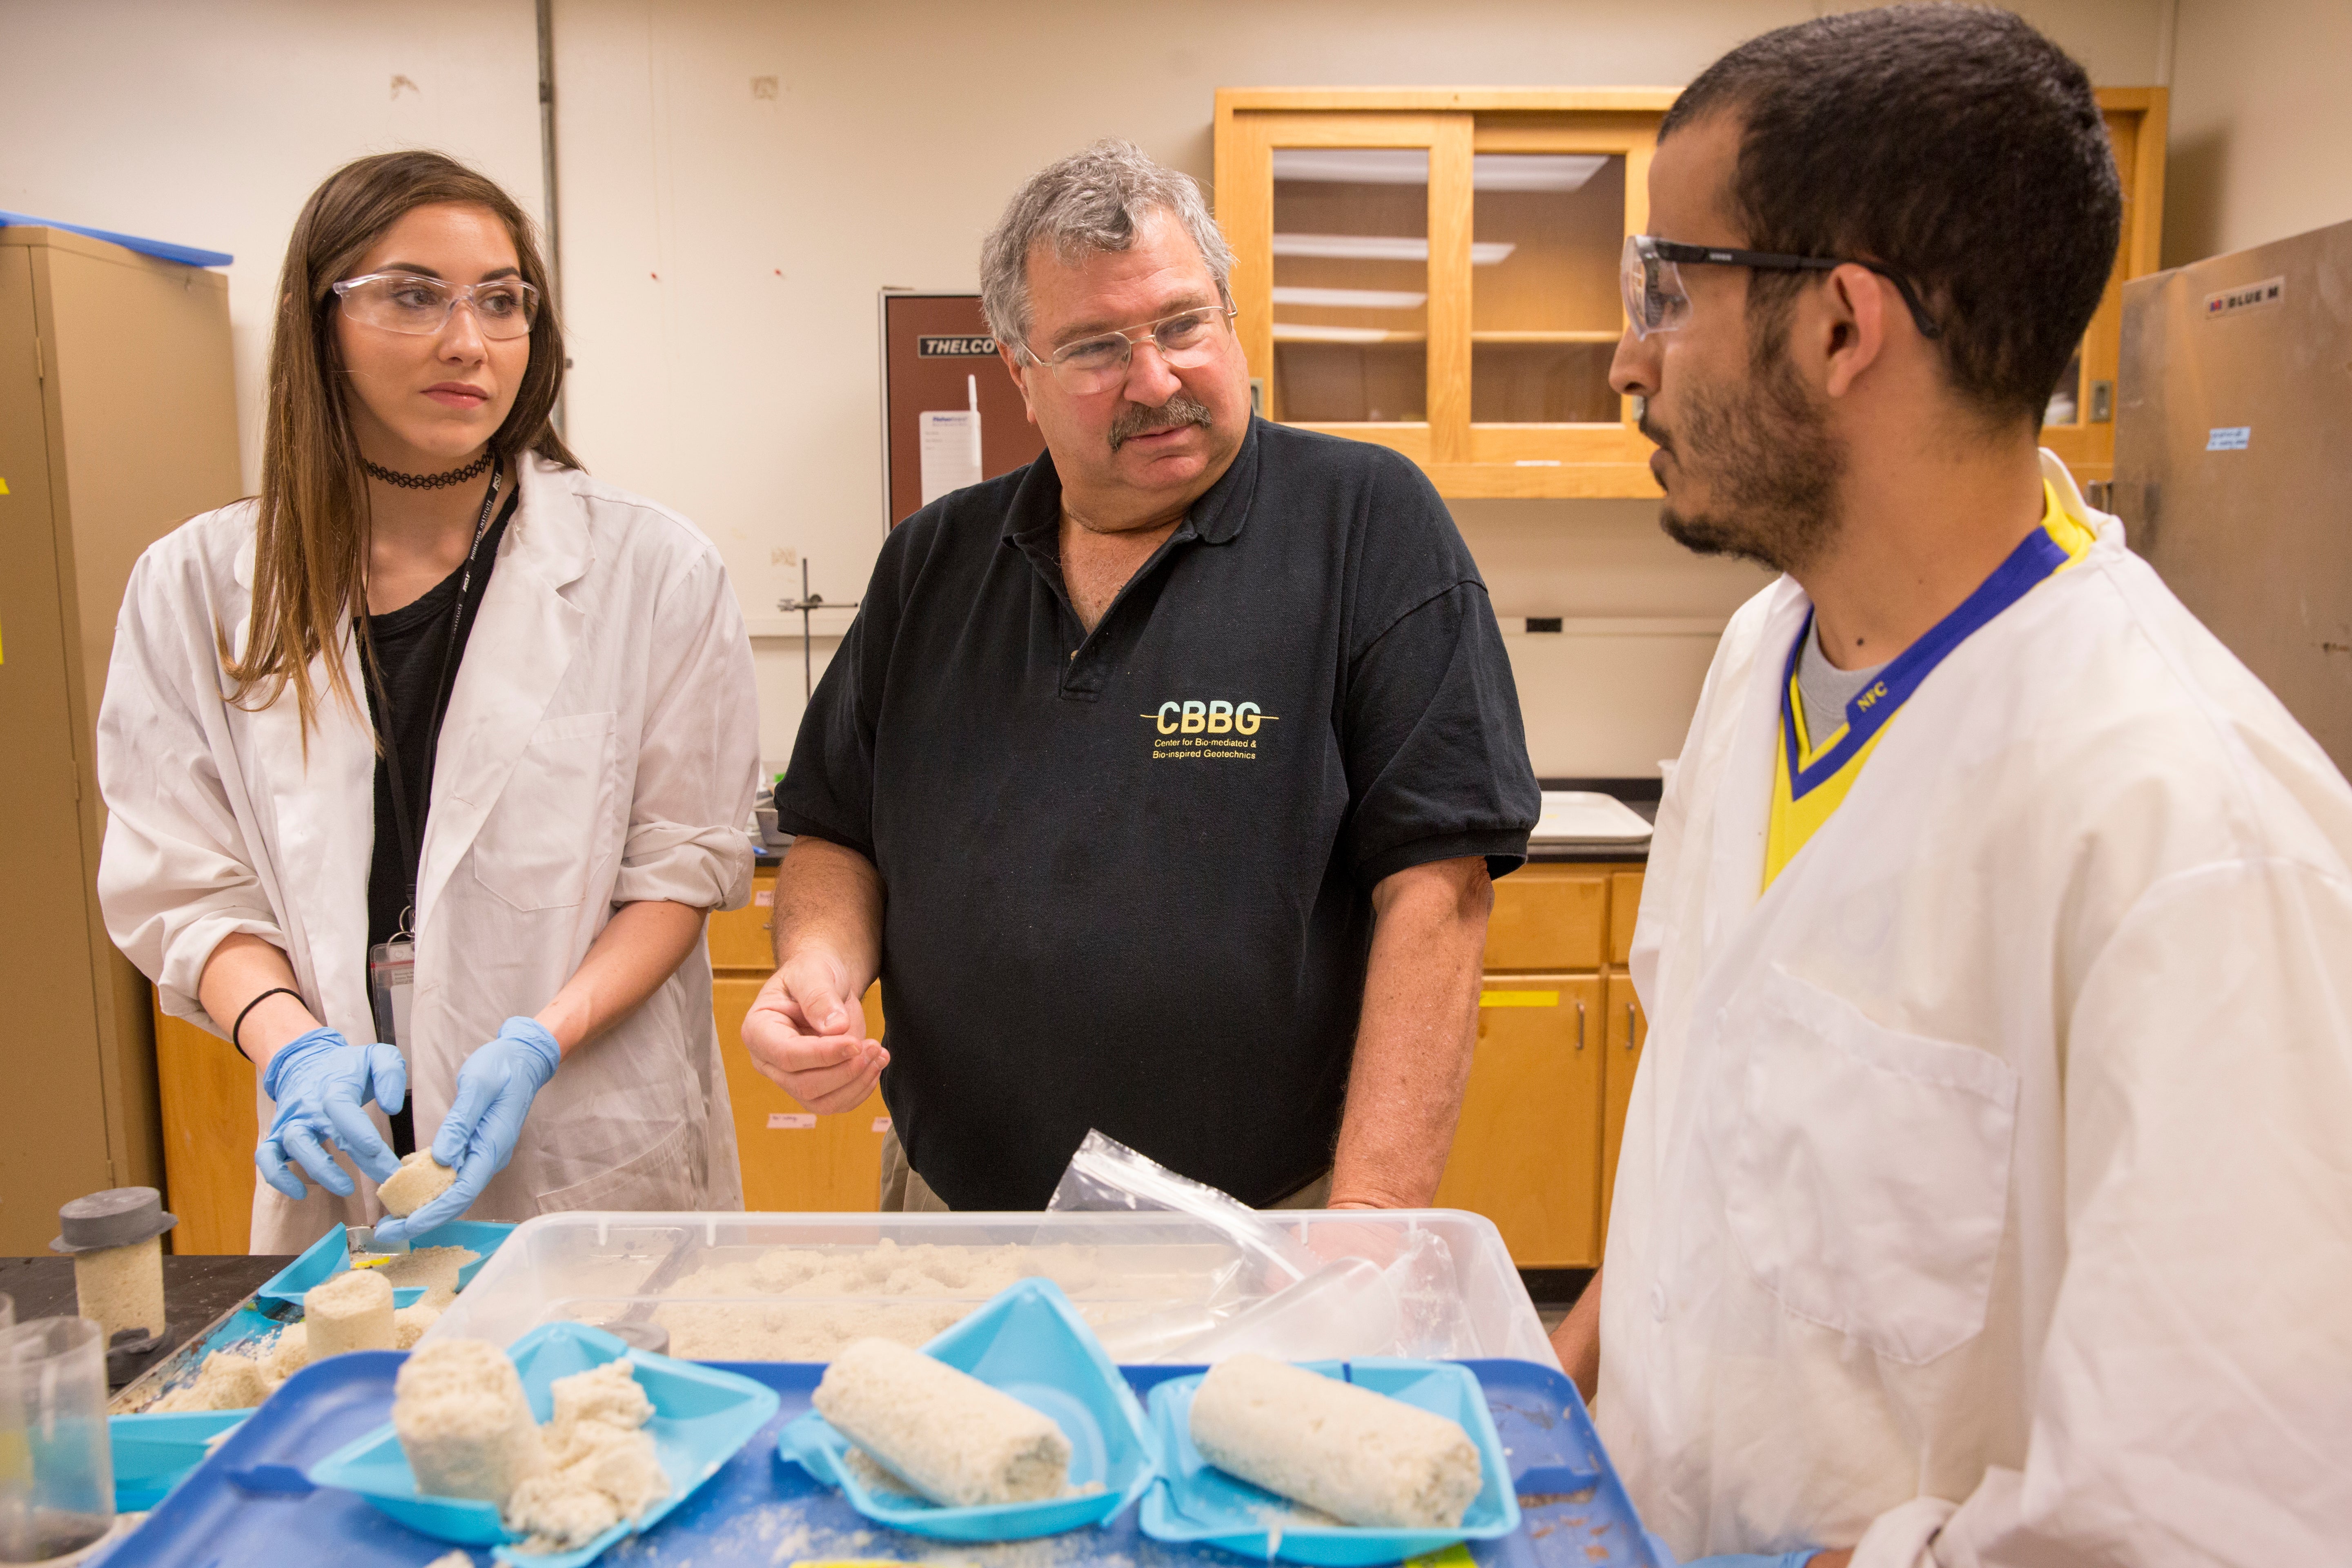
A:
[409,1324]
[602,1468]
[1358,1456]
[459,1411]
[290,1353]
[957,1441]
[120,1288]
[420,1179]
[432,1269]
[227,1382]
[352,1311]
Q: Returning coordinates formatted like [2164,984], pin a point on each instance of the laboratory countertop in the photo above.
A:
[196,1290]
[1641,794]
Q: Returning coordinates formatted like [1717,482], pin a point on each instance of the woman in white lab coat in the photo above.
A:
[435,697]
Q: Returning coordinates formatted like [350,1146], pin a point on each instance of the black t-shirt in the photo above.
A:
[417,664]
[1128,874]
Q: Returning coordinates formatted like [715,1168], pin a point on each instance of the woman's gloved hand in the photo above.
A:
[320,1083]
[495,1088]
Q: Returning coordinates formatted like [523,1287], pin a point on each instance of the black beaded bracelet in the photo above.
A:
[236,1028]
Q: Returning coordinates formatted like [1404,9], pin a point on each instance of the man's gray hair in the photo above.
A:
[1089,202]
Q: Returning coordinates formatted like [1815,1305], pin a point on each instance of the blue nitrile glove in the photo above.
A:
[495,1088]
[322,1083]
[1797,1559]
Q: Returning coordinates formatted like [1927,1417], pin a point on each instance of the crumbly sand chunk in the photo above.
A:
[602,1467]
[420,1179]
[409,1324]
[432,1269]
[227,1380]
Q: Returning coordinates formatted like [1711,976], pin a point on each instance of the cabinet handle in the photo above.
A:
[1630,1040]
[1580,1025]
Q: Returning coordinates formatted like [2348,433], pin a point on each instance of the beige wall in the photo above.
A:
[208,124]
[722,249]
[2261,123]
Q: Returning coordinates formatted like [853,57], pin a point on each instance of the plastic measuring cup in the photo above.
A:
[56,1468]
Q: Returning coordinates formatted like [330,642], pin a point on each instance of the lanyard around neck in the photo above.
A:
[443,681]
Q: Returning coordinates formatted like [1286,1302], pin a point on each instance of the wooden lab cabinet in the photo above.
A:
[118,418]
[793,1160]
[1537,1144]
[1436,270]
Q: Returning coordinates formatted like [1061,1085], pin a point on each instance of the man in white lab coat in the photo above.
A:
[1986,1194]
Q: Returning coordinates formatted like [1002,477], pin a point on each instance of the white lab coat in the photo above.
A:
[600,749]
[1986,1194]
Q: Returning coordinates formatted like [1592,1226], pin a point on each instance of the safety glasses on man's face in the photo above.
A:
[1186,341]
[1656,302]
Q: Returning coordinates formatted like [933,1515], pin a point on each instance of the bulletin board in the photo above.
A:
[936,352]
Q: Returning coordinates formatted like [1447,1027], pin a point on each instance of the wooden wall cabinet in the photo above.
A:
[118,418]
[1536,1149]
[1436,270]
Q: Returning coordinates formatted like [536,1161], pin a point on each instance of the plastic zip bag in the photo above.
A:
[1278,1296]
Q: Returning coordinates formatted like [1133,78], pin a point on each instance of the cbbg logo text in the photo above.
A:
[1214,717]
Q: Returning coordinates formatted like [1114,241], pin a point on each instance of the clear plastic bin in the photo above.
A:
[795,1287]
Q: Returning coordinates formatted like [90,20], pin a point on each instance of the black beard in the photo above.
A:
[1773,468]
[1181,409]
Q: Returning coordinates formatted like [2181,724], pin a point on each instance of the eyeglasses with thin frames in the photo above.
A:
[1656,301]
[1186,341]
[420,305]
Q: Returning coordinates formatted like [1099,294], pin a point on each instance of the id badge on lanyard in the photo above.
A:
[392,965]
[392,980]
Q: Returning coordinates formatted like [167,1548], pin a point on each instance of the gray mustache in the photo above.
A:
[1135,419]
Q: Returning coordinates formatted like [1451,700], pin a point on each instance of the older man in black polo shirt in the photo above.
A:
[1160,781]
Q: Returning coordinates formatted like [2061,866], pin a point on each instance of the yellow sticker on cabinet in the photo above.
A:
[1518,998]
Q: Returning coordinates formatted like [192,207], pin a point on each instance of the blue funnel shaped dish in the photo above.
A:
[1031,1343]
[701,1416]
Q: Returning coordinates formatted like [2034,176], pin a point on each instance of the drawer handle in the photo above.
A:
[1630,1040]
[1580,1025]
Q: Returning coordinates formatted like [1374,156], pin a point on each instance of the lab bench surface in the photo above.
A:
[196,1291]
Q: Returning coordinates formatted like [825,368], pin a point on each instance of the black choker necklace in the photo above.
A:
[472,471]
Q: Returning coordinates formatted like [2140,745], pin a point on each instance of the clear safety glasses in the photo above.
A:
[1186,340]
[407,302]
[1655,301]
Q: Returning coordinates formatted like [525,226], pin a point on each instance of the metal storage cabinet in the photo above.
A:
[117,420]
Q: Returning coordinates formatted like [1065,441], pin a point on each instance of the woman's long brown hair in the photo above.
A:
[311,550]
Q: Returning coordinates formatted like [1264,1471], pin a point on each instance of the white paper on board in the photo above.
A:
[951,444]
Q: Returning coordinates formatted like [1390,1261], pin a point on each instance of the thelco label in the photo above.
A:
[954,347]
[1190,728]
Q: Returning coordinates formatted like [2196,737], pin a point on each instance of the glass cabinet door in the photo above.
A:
[1350,296]
[1546,232]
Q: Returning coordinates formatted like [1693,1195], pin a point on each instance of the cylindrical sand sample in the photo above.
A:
[1360,1456]
[120,1288]
[459,1411]
[352,1311]
[114,1239]
[952,1437]
[420,1179]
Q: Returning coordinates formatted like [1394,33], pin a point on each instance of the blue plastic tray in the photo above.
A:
[330,1255]
[250,1502]
[153,1454]
[1031,1344]
[701,1416]
[1192,1500]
